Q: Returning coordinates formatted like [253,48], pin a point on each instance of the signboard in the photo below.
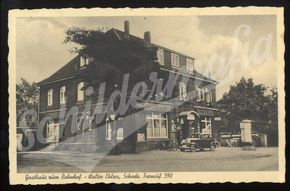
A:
[217,118]
[140,137]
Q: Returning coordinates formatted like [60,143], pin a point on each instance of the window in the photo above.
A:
[82,61]
[50,97]
[81,92]
[160,56]
[206,125]
[156,126]
[208,96]
[62,95]
[109,128]
[200,94]
[85,60]
[189,64]
[182,90]
[52,132]
[120,133]
[120,124]
[174,60]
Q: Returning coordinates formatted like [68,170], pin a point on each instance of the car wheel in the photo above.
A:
[182,150]
[212,147]
[193,148]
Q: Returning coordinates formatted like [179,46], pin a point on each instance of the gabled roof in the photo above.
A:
[120,35]
[67,71]
[70,70]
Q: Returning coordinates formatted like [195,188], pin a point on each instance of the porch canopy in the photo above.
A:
[201,112]
[186,113]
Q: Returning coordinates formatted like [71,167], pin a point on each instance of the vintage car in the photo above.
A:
[200,142]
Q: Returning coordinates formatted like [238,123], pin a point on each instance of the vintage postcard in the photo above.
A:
[175,95]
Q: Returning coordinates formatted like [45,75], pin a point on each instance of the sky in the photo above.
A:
[226,48]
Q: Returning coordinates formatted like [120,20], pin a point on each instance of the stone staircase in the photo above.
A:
[84,142]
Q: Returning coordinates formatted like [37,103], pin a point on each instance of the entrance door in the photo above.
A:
[52,133]
[185,129]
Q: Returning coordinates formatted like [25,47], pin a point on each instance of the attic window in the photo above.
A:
[84,61]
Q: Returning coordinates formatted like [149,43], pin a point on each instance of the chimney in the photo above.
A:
[126,29]
[147,37]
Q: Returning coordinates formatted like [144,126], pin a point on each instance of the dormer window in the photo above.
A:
[174,60]
[189,64]
[84,61]
[160,56]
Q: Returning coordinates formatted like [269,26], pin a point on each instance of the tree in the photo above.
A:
[245,100]
[113,58]
[26,103]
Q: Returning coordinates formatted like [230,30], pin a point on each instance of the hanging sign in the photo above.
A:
[217,118]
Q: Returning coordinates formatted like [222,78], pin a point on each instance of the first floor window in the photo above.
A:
[200,94]
[50,97]
[156,126]
[62,95]
[81,92]
[182,90]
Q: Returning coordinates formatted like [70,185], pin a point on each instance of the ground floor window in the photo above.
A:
[52,132]
[119,129]
[206,125]
[108,130]
[156,126]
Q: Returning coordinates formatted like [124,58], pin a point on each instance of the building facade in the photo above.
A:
[189,111]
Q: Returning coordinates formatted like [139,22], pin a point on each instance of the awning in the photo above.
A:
[201,112]
[207,112]
[186,113]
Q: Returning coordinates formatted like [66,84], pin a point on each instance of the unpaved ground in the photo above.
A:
[223,159]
